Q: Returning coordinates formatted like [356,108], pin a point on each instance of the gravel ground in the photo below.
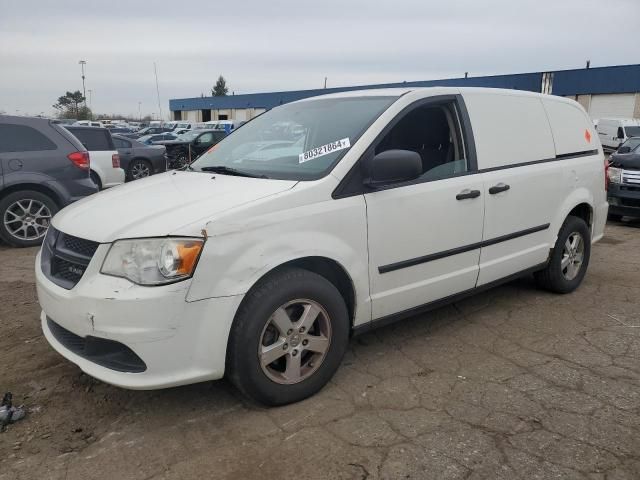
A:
[513,383]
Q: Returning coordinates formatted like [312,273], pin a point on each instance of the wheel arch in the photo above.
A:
[584,211]
[45,190]
[329,269]
[579,203]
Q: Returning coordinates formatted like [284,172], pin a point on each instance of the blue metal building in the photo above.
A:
[603,91]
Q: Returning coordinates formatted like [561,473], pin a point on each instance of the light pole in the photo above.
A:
[84,92]
[139,110]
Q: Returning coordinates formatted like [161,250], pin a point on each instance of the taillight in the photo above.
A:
[115,160]
[607,164]
[80,159]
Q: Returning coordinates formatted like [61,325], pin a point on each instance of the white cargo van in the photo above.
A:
[613,132]
[390,203]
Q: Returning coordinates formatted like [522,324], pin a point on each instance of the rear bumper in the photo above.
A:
[69,191]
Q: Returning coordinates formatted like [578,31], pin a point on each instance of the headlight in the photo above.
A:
[615,174]
[153,261]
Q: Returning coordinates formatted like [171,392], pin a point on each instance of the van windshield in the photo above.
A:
[632,131]
[296,141]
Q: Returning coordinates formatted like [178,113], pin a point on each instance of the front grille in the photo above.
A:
[106,353]
[65,258]
[80,245]
[629,202]
[69,271]
[631,177]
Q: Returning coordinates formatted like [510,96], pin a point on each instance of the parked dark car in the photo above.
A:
[151,139]
[120,130]
[43,168]
[190,145]
[139,160]
[624,180]
[147,131]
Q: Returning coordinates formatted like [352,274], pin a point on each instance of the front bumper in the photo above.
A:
[178,342]
[624,200]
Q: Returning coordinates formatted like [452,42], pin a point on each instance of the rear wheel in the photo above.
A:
[25,217]
[569,259]
[139,168]
[615,218]
[288,337]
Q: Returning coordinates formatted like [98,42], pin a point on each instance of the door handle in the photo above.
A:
[466,193]
[501,187]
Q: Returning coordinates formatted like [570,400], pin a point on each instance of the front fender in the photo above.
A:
[238,253]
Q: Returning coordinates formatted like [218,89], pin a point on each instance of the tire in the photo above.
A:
[25,216]
[139,168]
[565,277]
[615,218]
[95,179]
[254,330]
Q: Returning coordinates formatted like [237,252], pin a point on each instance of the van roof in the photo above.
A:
[398,92]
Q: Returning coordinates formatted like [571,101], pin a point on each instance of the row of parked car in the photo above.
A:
[46,165]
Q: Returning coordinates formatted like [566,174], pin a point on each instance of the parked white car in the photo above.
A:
[613,132]
[88,123]
[104,160]
[401,200]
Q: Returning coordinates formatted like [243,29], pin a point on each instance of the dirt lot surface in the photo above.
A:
[514,383]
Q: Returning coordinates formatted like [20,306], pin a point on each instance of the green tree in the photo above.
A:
[69,106]
[220,88]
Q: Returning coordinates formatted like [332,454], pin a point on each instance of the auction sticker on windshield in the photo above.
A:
[324,150]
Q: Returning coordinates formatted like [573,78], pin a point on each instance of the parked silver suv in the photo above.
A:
[43,168]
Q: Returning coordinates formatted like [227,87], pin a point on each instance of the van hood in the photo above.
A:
[161,204]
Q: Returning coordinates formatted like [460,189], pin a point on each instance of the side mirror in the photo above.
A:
[394,166]
[624,150]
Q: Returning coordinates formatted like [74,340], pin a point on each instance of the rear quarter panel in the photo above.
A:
[574,133]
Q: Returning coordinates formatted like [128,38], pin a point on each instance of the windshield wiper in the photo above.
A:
[231,171]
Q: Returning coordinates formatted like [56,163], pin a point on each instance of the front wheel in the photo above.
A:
[288,337]
[569,259]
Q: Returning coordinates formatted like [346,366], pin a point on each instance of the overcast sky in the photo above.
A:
[267,45]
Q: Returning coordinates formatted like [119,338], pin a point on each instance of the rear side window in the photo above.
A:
[119,143]
[20,138]
[93,139]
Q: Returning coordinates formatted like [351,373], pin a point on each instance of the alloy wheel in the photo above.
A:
[572,256]
[294,342]
[140,170]
[27,219]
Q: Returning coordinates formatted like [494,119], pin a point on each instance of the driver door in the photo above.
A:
[424,235]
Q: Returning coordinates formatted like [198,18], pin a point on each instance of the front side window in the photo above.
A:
[296,141]
[20,138]
[432,131]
